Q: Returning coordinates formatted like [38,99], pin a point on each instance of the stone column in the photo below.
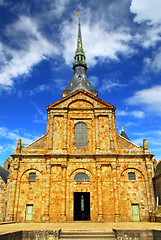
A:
[46,216]
[63,194]
[115,193]
[99,192]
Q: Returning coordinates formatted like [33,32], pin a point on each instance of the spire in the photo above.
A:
[79,80]
[79,58]
[123,134]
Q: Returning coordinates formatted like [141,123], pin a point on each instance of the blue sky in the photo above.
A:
[122,41]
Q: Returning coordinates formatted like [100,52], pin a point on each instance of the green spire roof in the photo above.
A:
[79,58]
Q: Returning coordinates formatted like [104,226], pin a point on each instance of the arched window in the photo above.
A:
[81,177]
[81,135]
[131,176]
[32,177]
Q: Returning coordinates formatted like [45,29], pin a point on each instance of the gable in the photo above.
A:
[39,143]
[80,99]
[125,144]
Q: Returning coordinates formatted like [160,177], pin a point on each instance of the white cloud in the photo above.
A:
[138,141]
[94,81]
[38,89]
[40,113]
[14,135]
[100,44]
[31,49]
[137,114]
[150,99]
[148,15]
[3,3]
[146,10]
[153,63]
[108,85]
[61,84]
[150,133]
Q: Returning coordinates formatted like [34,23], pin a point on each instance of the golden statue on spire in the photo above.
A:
[78,14]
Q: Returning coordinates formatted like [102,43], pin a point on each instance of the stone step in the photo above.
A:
[105,238]
[87,235]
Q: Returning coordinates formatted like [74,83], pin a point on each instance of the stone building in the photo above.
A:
[81,169]
[3,192]
[157,188]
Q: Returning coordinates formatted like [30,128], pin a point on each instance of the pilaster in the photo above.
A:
[50,133]
[99,185]
[63,196]
[46,216]
[97,132]
[65,131]
[115,193]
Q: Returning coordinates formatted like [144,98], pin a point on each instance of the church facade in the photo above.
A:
[81,169]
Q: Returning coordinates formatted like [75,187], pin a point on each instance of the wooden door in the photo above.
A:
[29,212]
[135,213]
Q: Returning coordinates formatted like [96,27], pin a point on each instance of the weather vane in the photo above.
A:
[78,14]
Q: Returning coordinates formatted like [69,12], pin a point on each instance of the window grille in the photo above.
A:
[81,139]
[131,176]
[81,177]
[32,177]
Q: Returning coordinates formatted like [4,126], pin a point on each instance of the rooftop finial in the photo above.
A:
[122,128]
[78,15]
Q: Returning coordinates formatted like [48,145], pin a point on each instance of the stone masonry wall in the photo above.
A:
[3,200]
[106,160]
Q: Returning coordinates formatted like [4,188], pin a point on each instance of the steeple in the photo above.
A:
[79,80]
[79,58]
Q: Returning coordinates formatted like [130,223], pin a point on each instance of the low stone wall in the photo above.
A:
[43,235]
[12,236]
[157,234]
[134,234]
[34,235]
[158,213]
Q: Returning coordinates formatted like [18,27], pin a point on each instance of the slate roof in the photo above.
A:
[80,81]
[4,174]
[123,134]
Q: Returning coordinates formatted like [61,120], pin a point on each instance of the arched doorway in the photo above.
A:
[81,200]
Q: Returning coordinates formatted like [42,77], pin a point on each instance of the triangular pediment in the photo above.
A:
[82,97]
